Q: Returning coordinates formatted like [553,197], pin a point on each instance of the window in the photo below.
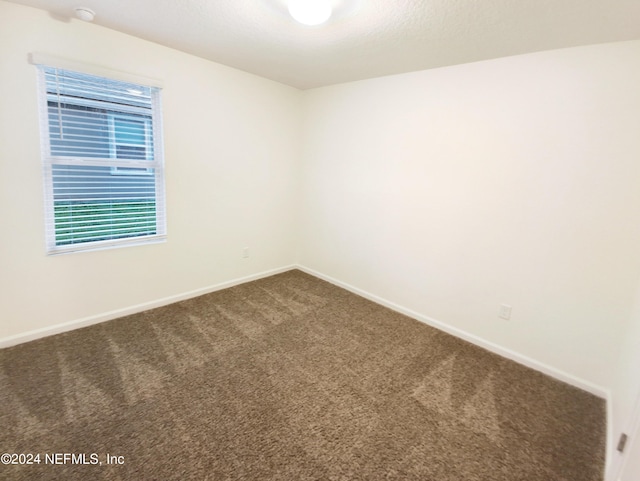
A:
[130,138]
[102,158]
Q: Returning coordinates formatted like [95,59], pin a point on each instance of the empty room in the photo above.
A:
[320,240]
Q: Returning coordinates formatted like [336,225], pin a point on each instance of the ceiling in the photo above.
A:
[363,38]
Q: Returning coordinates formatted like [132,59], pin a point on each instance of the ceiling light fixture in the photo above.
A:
[85,14]
[310,12]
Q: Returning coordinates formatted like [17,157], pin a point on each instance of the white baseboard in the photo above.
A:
[478,341]
[502,351]
[107,316]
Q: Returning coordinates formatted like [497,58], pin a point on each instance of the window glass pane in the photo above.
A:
[128,131]
[78,131]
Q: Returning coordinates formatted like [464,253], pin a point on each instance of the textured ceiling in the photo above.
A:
[364,38]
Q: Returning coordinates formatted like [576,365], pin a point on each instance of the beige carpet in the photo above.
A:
[287,378]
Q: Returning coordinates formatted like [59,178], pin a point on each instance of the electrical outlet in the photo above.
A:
[505,311]
[245,252]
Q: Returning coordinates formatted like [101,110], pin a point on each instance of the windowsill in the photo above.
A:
[105,245]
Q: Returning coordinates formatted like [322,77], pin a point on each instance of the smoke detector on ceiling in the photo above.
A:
[85,14]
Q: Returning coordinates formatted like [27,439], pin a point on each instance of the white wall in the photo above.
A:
[632,469]
[626,400]
[451,191]
[231,142]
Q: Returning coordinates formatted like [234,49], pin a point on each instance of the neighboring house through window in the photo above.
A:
[102,158]
[130,138]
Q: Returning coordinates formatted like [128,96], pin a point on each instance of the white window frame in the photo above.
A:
[154,166]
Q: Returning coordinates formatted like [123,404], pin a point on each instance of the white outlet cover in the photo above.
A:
[505,311]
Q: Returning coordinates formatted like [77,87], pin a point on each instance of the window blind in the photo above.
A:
[102,158]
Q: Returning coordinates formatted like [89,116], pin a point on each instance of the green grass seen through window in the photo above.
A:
[78,222]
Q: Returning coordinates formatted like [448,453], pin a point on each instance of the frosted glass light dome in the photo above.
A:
[310,12]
